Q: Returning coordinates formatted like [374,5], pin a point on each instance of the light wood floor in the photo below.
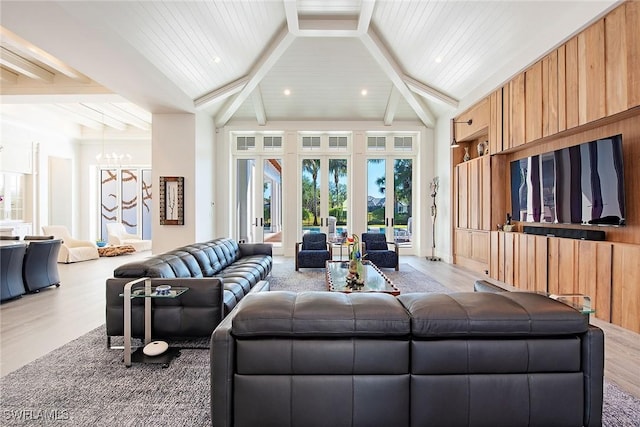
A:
[37,324]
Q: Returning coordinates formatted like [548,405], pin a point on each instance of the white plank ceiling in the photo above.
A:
[113,63]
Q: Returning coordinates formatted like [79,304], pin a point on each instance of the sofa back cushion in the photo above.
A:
[504,314]
[188,261]
[314,242]
[320,314]
[375,241]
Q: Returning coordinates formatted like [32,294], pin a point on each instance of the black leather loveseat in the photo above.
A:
[218,273]
[466,359]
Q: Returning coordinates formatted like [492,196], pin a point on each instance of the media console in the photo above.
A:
[569,233]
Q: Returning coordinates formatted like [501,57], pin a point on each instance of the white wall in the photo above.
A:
[173,139]
[444,200]
[204,200]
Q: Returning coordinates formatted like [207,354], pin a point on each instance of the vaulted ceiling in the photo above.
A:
[114,62]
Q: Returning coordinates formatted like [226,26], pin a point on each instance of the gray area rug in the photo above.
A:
[85,384]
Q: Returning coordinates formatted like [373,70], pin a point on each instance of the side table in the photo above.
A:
[147,292]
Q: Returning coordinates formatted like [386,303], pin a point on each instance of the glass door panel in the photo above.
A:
[310,180]
[376,195]
[337,226]
[402,201]
[272,201]
[259,200]
[389,209]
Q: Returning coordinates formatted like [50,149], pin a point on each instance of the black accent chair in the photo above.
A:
[11,259]
[375,248]
[313,252]
[40,269]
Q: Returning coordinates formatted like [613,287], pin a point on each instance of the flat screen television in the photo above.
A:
[583,184]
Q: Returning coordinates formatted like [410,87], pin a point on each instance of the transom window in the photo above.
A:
[272,142]
[338,142]
[377,143]
[244,143]
[403,143]
[310,142]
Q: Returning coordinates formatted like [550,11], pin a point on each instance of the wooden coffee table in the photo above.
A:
[374,279]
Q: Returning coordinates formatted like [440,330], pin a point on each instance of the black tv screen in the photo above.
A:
[583,184]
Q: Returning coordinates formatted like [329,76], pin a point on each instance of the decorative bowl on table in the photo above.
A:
[101,243]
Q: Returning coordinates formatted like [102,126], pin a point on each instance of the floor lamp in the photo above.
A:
[433,185]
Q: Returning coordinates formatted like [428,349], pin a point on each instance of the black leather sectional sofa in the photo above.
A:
[218,273]
[466,359]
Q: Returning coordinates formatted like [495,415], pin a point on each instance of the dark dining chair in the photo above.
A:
[40,269]
[313,252]
[377,250]
[11,259]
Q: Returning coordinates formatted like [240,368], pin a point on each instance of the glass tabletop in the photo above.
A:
[174,292]
[374,279]
[580,302]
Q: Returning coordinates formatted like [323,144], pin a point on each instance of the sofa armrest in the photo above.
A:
[593,368]
[195,313]
[247,249]
[222,359]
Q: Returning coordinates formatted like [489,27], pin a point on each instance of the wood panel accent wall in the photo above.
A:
[629,127]
[625,303]
[591,73]
[550,94]
[479,114]
[533,103]
[586,89]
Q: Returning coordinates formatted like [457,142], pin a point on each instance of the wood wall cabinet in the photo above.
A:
[567,266]
[625,292]
[549,94]
[473,195]
[495,122]
[473,213]
[533,102]
[472,249]
[517,117]
[479,116]
[591,74]
[622,58]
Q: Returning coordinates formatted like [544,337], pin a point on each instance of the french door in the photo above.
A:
[324,195]
[259,200]
[390,198]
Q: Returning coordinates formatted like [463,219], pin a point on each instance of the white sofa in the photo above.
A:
[117,235]
[71,250]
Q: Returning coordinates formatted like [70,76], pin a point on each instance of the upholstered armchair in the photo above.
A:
[118,236]
[313,252]
[11,261]
[71,250]
[376,249]
[40,268]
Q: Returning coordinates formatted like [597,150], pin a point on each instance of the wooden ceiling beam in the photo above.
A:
[395,73]
[269,57]
[21,66]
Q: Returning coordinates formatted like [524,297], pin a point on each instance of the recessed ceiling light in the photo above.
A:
[363,92]
[216,59]
[287,92]
[438,60]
